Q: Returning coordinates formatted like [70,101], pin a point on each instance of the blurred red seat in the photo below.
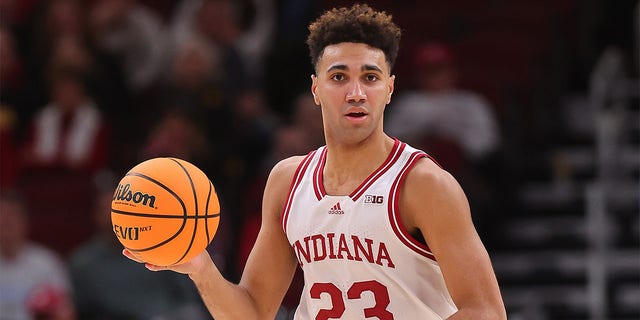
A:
[59,203]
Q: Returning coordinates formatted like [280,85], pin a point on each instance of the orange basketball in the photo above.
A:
[165,211]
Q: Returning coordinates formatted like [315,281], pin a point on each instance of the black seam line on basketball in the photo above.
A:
[184,211]
[149,215]
[156,246]
[206,213]
[195,199]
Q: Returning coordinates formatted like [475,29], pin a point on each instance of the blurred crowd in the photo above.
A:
[88,89]
[91,88]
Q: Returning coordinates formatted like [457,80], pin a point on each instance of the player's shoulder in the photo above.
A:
[279,183]
[431,192]
[283,172]
[427,176]
[287,167]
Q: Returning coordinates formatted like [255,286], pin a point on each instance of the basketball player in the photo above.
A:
[379,229]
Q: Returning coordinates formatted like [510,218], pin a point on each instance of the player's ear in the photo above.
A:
[314,87]
[392,80]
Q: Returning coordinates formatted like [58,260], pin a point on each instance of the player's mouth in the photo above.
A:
[356,114]
[356,117]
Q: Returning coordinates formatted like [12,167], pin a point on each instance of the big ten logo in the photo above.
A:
[373,199]
[129,233]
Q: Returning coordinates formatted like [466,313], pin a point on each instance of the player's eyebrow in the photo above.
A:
[342,67]
[366,67]
[370,67]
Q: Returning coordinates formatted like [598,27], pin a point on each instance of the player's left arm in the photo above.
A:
[434,204]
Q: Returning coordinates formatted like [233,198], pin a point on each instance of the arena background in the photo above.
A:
[224,84]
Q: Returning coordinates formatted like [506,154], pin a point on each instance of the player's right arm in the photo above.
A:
[269,269]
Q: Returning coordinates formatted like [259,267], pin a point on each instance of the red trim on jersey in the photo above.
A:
[395,153]
[394,212]
[318,186]
[295,182]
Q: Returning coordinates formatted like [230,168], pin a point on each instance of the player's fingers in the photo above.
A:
[154,267]
[130,255]
[149,266]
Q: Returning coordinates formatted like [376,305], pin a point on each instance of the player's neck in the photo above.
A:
[355,162]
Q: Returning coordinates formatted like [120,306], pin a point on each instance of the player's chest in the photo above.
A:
[339,214]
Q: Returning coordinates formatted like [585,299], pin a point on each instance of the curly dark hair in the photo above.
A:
[360,24]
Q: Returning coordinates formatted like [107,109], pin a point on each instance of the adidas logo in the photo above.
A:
[336,209]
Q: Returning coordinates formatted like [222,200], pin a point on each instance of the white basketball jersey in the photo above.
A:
[358,259]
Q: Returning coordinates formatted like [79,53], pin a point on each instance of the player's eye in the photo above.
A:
[372,77]
[338,77]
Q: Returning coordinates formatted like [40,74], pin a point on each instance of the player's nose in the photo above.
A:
[356,92]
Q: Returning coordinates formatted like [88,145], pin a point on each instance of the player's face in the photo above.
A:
[352,85]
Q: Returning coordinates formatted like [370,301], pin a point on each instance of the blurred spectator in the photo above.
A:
[69,52]
[12,75]
[308,118]
[194,85]
[456,126]
[70,131]
[108,286]
[11,82]
[9,157]
[247,26]
[14,13]
[214,20]
[55,20]
[13,99]
[34,283]
[253,126]
[257,38]
[288,57]
[175,135]
[439,113]
[61,39]
[58,18]
[103,78]
[214,23]
[302,133]
[66,142]
[135,35]
[288,141]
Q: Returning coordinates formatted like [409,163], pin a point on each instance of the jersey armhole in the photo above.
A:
[295,182]
[394,212]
